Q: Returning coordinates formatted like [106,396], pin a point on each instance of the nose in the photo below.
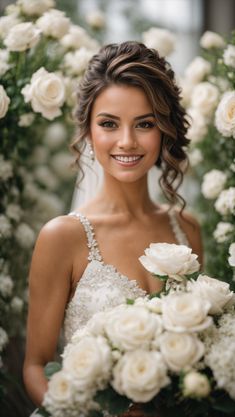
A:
[127,139]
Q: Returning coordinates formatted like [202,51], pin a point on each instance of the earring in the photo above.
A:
[91,154]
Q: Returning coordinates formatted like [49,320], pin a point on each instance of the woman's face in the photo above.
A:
[124,132]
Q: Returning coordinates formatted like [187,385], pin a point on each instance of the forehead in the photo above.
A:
[122,99]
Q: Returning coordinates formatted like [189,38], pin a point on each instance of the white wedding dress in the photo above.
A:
[101,285]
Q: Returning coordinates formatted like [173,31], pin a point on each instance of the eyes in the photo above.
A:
[110,124]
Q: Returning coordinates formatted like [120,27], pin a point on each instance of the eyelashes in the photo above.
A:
[110,124]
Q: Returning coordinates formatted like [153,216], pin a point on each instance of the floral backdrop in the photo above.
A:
[42,57]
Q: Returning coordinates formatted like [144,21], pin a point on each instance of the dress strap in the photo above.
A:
[177,230]
[94,253]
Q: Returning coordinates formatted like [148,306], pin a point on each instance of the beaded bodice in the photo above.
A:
[101,285]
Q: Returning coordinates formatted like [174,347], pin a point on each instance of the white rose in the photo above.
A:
[197,70]
[6,285]
[197,125]
[6,23]
[77,62]
[186,91]
[213,183]
[182,312]
[17,304]
[55,135]
[131,327]
[229,56]
[225,203]
[4,65]
[77,37]
[205,97]
[54,23]
[46,92]
[140,375]
[160,39]
[211,40]
[223,231]
[180,350]
[213,290]
[155,305]
[195,157]
[169,259]
[196,385]
[26,119]
[35,8]
[96,19]
[25,236]
[231,259]
[4,102]
[89,363]
[22,36]
[60,389]
[225,115]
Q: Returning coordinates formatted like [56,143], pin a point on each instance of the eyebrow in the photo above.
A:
[142,116]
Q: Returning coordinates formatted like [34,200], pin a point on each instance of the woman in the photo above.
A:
[129,112]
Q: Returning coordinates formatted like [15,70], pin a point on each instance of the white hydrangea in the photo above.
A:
[6,170]
[25,236]
[3,338]
[6,285]
[229,56]
[160,39]
[225,203]
[213,183]
[14,212]
[5,227]
[223,231]
[231,259]
[76,62]
[211,40]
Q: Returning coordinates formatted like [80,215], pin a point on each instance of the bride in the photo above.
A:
[131,119]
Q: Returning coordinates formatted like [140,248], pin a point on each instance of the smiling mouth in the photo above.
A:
[127,159]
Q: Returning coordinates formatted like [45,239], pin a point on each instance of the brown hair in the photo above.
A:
[134,64]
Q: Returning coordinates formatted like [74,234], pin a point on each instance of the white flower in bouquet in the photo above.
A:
[53,23]
[3,338]
[35,8]
[213,290]
[55,135]
[196,385]
[4,65]
[6,285]
[5,227]
[25,236]
[77,37]
[140,375]
[26,119]
[17,304]
[4,102]
[225,115]
[198,125]
[205,97]
[223,231]
[94,327]
[185,312]
[160,39]
[6,170]
[213,183]
[76,62]
[96,19]
[197,70]
[132,327]
[155,305]
[89,363]
[180,350]
[231,259]
[14,212]
[211,40]
[229,56]
[46,93]
[195,157]
[6,23]
[164,259]
[60,394]
[22,36]
[225,203]
[61,164]
[46,177]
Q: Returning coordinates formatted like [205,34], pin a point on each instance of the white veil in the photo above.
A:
[89,184]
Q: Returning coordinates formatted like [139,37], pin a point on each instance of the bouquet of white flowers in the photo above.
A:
[172,353]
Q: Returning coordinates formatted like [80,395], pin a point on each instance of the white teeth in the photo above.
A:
[127,158]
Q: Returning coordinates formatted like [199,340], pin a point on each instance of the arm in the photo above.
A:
[49,288]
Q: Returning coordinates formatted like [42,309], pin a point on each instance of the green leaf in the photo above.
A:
[130,301]
[51,368]
[161,277]
[225,404]
[112,402]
